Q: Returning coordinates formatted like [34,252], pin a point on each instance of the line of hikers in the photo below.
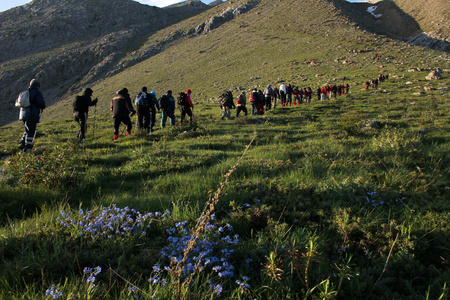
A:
[374,82]
[31,103]
[262,101]
[147,105]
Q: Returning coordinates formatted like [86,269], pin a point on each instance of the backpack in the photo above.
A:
[141,99]
[164,101]
[239,99]
[182,99]
[77,104]
[23,100]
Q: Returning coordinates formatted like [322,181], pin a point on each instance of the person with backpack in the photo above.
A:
[121,107]
[254,102]
[81,109]
[143,109]
[186,106]
[282,94]
[276,94]
[30,116]
[226,104]
[289,94]
[167,104]
[241,101]
[268,95]
[154,105]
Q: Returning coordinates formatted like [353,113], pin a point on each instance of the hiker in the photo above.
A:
[226,104]
[254,102]
[367,85]
[276,94]
[261,102]
[30,116]
[121,108]
[153,104]
[289,94]
[167,104]
[81,110]
[308,94]
[282,94]
[295,93]
[319,93]
[186,106]
[347,87]
[143,109]
[241,101]
[268,95]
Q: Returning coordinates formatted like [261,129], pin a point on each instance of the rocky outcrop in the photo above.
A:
[66,43]
[431,40]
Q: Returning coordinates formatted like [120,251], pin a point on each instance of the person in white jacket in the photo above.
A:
[283,94]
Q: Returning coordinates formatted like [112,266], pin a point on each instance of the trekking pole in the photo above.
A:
[93,129]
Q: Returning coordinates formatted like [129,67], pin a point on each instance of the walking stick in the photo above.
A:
[93,130]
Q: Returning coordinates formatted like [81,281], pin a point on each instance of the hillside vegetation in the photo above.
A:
[346,198]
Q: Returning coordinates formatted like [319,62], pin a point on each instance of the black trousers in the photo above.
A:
[81,118]
[122,119]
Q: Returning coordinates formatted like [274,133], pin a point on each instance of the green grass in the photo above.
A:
[309,177]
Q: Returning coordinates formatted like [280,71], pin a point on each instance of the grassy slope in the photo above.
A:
[310,165]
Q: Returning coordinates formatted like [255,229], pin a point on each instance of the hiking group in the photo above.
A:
[31,103]
[262,101]
[147,105]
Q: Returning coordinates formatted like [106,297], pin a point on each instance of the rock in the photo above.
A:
[434,75]
[369,124]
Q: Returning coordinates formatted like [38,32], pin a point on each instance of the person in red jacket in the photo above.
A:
[187,108]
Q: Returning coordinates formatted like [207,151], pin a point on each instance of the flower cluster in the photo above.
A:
[92,272]
[52,291]
[3,174]
[212,250]
[377,202]
[111,221]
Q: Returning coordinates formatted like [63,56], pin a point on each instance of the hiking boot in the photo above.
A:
[129,132]
[115,137]
[21,146]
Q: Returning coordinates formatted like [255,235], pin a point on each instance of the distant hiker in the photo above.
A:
[143,109]
[254,102]
[268,95]
[347,87]
[226,104]
[121,107]
[30,116]
[283,94]
[289,95]
[319,93]
[241,101]
[261,102]
[186,106]
[308,94]
[80,110]
[154,105]
[367,85]
[167,104]
[334,90]
[276,94]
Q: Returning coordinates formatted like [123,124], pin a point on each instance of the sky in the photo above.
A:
[7,4]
